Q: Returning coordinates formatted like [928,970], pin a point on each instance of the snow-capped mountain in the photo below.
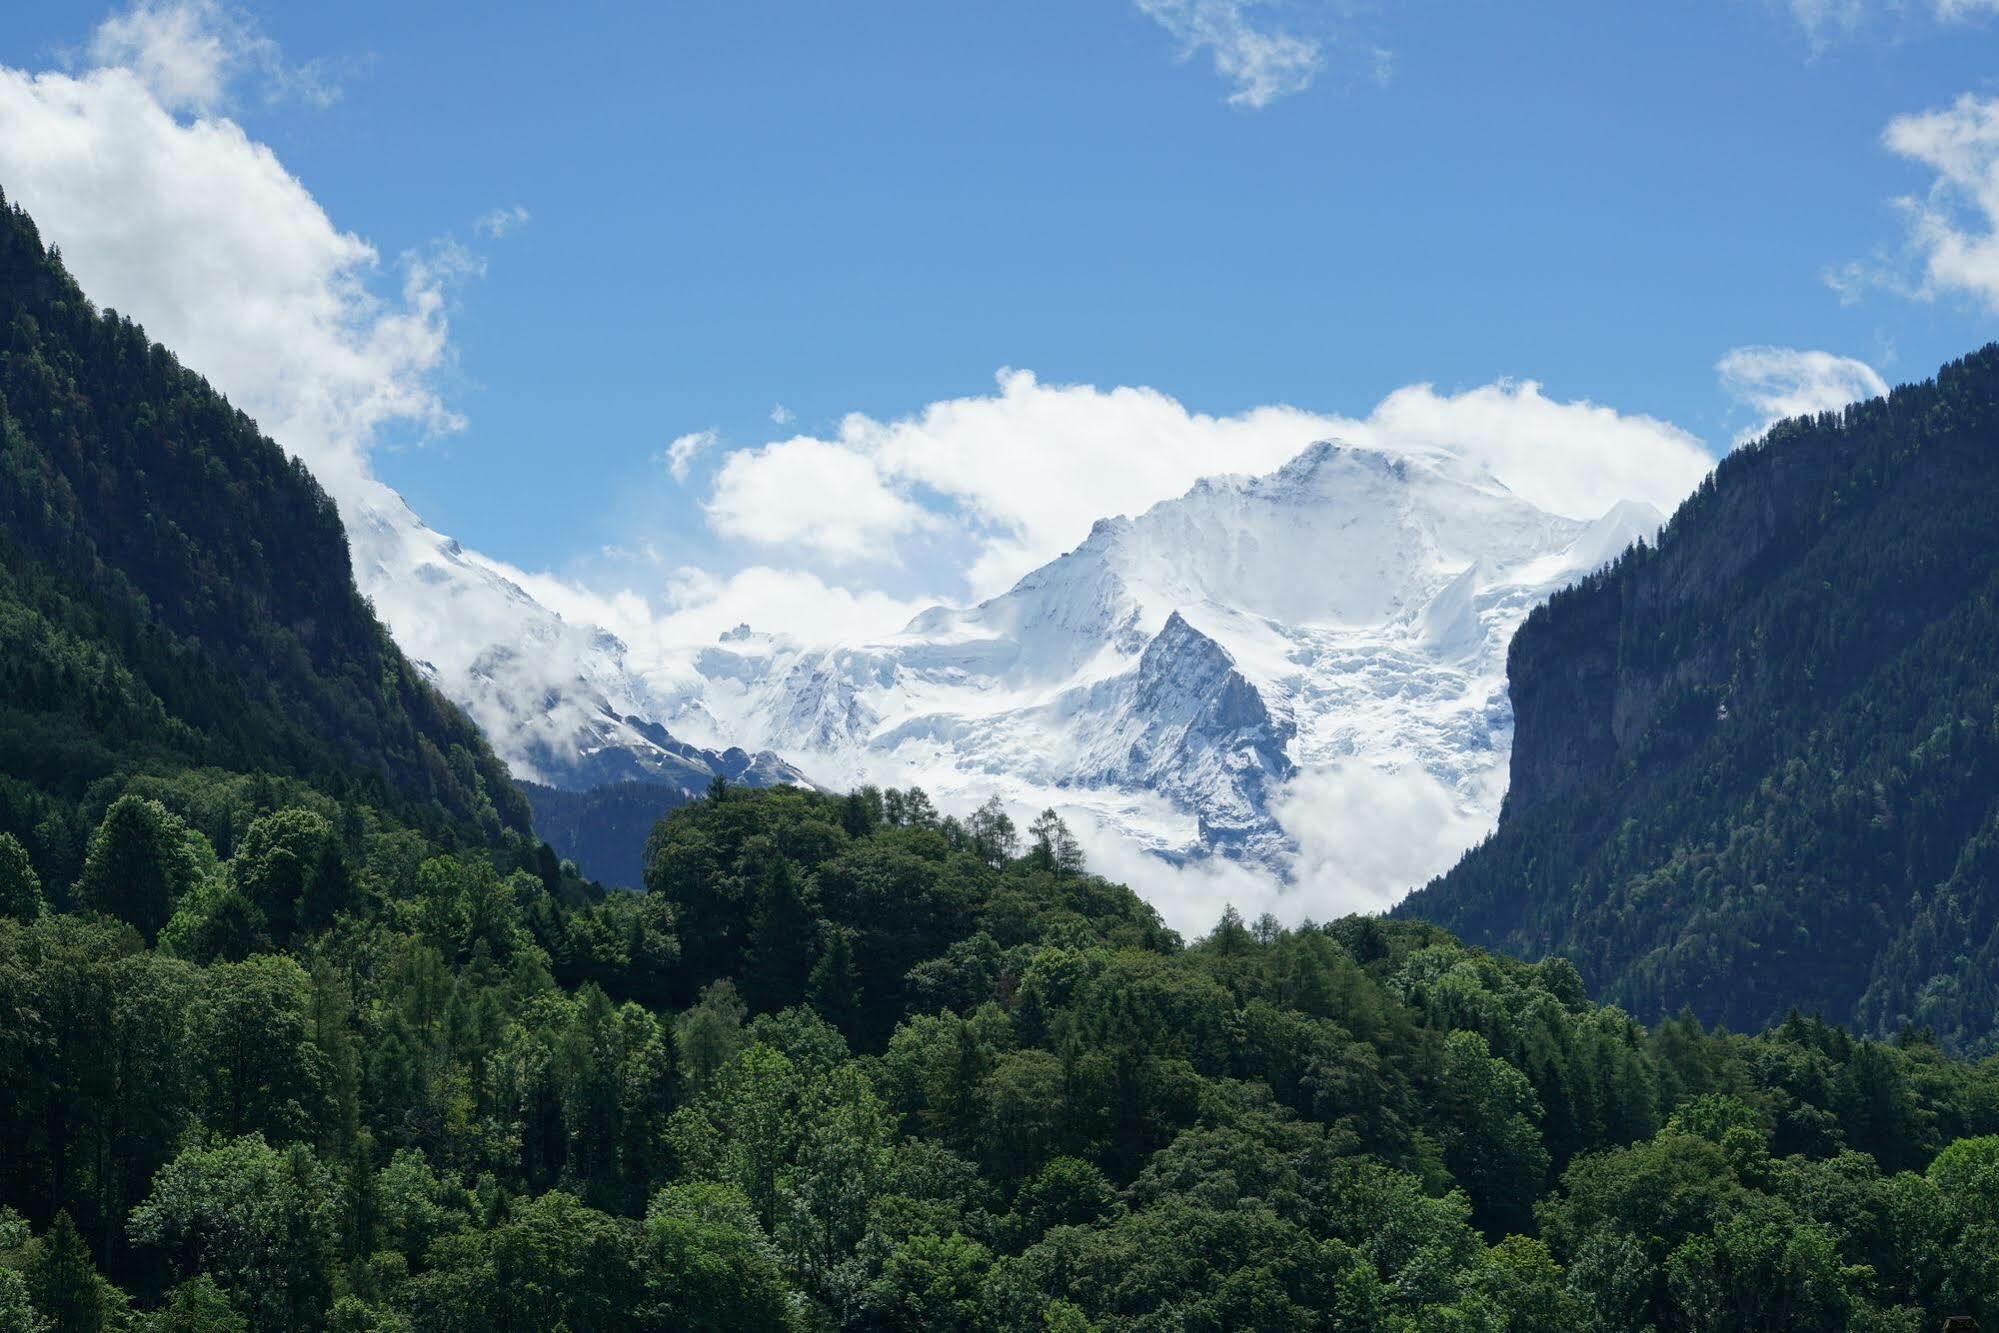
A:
[558,701]
[1172,674]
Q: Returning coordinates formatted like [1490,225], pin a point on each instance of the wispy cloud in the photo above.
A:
[500,221]
[1952,240]
[192,53]
[1827,22]
[1779,382]
[680,455]
[1261,63]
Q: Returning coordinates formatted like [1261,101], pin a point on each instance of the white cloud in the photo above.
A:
[693,607]
[198,231]
[780,415]
[1780,382]
[1825,22]
[1822,20]
[1022,474]
[1954,227]
[1366,837]
[190,52]
[497,223]
[815,495]
[1260,63]
[680,455]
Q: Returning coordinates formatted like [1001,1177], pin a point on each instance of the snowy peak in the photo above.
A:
[557,701]
[1175,671]
[1187,724]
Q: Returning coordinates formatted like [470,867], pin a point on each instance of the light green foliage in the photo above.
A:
[140,861]
[261,1220]
[20,886]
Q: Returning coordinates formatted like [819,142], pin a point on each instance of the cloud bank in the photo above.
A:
[1022,473]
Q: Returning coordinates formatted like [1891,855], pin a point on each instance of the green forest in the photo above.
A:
[1756,764]
[848,1065]
[302,1027]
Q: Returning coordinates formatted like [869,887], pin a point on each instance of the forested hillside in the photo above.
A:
[852,1066]
[603,830]
[300,1030]
[175,592]
[1757,765]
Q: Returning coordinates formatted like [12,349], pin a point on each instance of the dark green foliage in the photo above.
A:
[63,1284]
[307,1035]
[175,591]
[141,860]
[403,1117]
[1757,765]
[20,886]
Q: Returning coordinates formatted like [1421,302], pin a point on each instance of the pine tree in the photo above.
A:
[137,864]
[63,1283]
[836,981]
[20,887]
[1055,847]
[781,941]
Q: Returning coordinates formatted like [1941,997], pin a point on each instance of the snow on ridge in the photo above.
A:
[1355,605]
[1180,681]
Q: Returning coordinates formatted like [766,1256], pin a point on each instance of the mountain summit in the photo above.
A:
[1175,671]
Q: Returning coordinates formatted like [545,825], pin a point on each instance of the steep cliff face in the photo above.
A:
[1590,675]
[162,558]
[1753,764]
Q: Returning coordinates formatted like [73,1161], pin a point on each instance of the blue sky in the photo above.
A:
[870,208]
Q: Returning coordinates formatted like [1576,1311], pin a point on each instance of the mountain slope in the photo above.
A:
[1758,765]
[175,591]
[557,700]
[604,830]
[1172,674]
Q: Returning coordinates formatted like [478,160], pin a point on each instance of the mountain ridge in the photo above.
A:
[1755,764]
[166,560]
[1361,598]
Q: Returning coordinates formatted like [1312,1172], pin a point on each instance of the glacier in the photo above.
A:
[1183,682]
[1168,680]
[560,702]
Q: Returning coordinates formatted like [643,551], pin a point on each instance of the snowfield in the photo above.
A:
[1273,672]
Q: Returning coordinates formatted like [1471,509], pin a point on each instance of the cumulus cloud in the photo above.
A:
[197,230]
[1024,472]
[1953,228]
[816,495]
[1780,382]
[1260,63]
[680,455]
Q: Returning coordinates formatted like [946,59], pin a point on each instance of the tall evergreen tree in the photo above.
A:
[63,1282]
[20,887]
